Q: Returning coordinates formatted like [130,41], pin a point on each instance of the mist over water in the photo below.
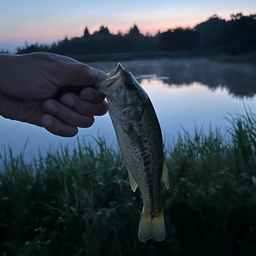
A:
[184,92]
[239,79]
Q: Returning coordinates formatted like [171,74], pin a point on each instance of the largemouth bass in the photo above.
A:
[140,141]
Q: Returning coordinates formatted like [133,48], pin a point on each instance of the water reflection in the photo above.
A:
[239,79]
[183,92]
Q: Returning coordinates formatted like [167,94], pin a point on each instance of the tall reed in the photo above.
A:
[81,203]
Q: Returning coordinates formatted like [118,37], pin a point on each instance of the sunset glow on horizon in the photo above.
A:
[50,21]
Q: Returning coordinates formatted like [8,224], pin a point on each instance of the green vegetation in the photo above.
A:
[4,51]
[81,203]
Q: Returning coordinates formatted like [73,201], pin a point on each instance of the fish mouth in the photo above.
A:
[113,80]
[113,75]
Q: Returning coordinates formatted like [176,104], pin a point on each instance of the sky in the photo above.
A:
[51,20]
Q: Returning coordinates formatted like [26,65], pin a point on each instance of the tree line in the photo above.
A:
[235,36]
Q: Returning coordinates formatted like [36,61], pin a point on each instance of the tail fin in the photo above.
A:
[151,228]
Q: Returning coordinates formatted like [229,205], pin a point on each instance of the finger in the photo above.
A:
[67,115]
[55,126]
[92,95]
[64,58]
[77,73]
[52,57]
[85,108]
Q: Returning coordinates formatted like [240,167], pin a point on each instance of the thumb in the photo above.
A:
[82,74]
[72,72]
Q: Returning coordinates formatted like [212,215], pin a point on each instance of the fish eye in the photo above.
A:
[129,85]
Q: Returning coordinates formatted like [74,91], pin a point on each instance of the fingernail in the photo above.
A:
[50,107]
[101,75]
[47,122]
[68,100]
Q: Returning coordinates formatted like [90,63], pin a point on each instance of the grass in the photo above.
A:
[81,203]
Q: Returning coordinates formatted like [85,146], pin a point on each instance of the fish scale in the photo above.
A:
[140,141]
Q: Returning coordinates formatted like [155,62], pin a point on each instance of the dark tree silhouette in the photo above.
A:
[209,30]
[103,31]
[134,31]
[86,32]
[236,36]
[178,40]
[237,16]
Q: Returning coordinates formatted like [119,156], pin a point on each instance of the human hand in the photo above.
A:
[51,91]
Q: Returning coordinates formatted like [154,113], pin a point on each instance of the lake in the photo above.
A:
[184,92]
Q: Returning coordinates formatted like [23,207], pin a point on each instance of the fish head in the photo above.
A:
[126,98]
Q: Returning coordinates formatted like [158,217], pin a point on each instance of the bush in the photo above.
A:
[81,204]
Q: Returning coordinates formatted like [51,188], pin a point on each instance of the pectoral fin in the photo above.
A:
[165,176]
[132,182]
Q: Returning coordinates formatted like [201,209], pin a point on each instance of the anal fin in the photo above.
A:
[132,182]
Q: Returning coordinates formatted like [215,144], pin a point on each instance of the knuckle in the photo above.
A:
[69,120]
[85,111]
[87,94]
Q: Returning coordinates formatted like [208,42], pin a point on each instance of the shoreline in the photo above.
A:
[249,58]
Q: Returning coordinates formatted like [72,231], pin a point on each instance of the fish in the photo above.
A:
[140,141]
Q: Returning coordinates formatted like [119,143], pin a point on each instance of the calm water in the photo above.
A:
[184,92]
